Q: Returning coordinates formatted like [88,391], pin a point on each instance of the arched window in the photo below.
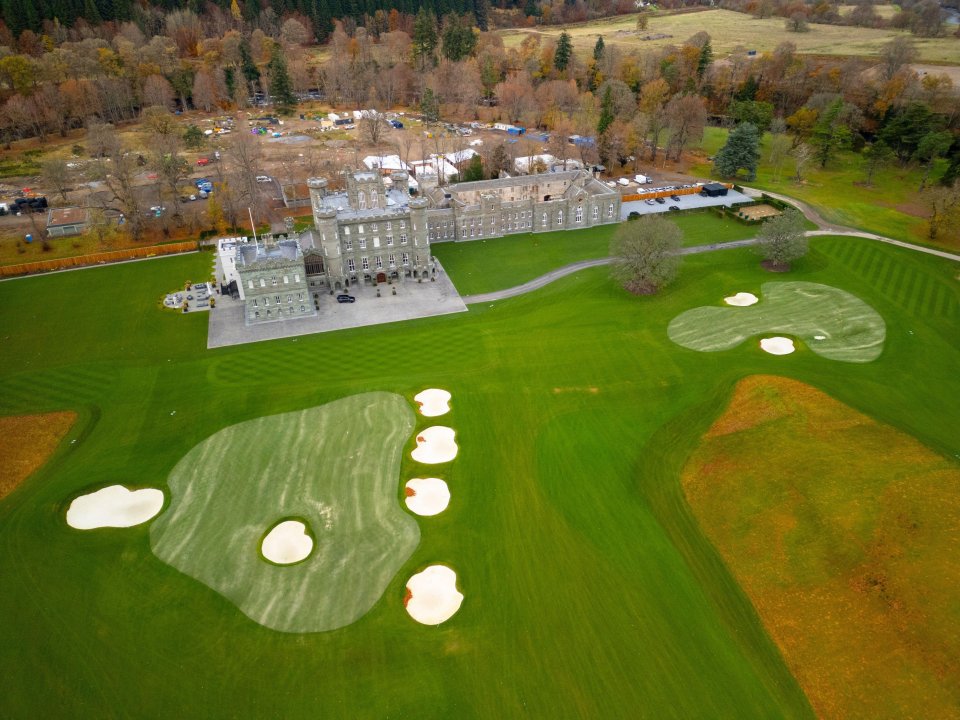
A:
[374,199]
[559,217]
[361,200]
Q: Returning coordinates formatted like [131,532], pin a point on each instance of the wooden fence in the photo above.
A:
[665,193]
[96,259]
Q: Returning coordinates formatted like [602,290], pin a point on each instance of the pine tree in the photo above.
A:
[706,57]
[831,133]
[251,72]
[561,57]
[606,111]
[598,49]
[281,89]
[481,11]
[741,151]
[425,38]
[429,107]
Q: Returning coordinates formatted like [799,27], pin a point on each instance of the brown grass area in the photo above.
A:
[845,534]
[26,441]
[758,212]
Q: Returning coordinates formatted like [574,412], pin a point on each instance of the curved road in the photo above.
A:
[812,215]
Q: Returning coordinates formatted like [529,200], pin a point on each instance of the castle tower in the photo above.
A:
[420,238]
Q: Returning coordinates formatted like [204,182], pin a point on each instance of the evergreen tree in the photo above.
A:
[876,156]
[474,170]
[831,133]
[251,73]
[532,9]
[425,38]
[458,39]
[281,88]
[481,11]
[429,107]
[606,111]
[564,51]
[706,57]
[741,151]
[598,49]
[748,91]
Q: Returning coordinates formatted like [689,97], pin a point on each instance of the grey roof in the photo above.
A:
[397,204]
[511,181]
[251,253]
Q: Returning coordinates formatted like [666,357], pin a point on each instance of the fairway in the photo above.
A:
[832,323]
[335,468]
[589,588]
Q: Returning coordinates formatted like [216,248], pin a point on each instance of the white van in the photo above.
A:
[642,179]
[624,182]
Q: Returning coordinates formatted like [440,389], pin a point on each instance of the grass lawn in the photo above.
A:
[729,30]
[590,589]
[892,207]
[483,265]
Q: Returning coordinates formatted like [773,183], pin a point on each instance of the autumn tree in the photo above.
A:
[944,204]
[646,254]
[686,116]
[57,175]
[782,240]
[653,98]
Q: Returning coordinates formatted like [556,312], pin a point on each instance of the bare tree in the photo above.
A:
[57,175]
[166,145]
[209,89]
[373,126]
[944,204]
[157,90]
[895,55]
[243,156]
[685,116]
[117,170]
[802,156]
[646,254]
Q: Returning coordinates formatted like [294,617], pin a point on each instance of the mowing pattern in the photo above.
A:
[832,322]
[336,468]
[845,534]
[899,281]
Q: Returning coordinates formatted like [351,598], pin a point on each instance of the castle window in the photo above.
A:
[314,265]
[559,217]
[379,261]
[376,242]
[346,231]
[374,199]
[263,282]
[256,315]
[610,210]
[406,258]
[348,244]
[250,284]
[273,281]
[393,261]
[300,297]
[389,240]
[361,200]
[277,298]
[351,265]
[403,225]
[544,219]
[296,276]
[365,263]
[363,244]
[286,279]
[302,309]
[360,229]
[289,299]
[579,215]
[403,238]
[596,212]
[254,302]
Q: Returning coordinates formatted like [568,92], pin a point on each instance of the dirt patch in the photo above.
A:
[844,533]
[758,212]
[26,441]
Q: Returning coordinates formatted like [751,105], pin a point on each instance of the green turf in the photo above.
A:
[831,322]
[590,590]
[891,206]
[336,469]
[479,266]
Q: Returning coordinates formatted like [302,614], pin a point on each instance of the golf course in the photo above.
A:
[636,520]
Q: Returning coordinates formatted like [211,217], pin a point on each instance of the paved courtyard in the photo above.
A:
[687,202]
[413,300]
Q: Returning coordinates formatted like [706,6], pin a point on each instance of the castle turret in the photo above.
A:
[420,235]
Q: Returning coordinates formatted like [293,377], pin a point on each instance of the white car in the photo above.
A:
[624,182]
[264,178]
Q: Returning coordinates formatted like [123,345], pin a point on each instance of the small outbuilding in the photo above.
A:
[64,222]
[714,189]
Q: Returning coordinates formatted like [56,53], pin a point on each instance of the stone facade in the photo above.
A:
[274,282]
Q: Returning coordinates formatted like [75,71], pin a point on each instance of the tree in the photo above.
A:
[895,55]
[474,170]
[606,112]
[281,89]
[905,129]
[57,175]
[831,133]
[425,39]
[802,155]
[643,22]
[157,90]
[933,145]
[653,98]
[372,126]
[598,49]
[876,155]
[752,111]
[686,116]
[705,59]
[193,137]
[429,106]
[927,19]
[561,58]
[779,147]
[944,203]
[646,254]
[797,22]
[459,40]
[781,240]
[740,152]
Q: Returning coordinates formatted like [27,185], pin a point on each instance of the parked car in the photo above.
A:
[650,202]
[674,208]
[660,201]
[675,198]
[346,299]
[263,178]
[203,161]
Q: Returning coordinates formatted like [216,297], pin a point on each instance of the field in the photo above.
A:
[590,589]
[891,207]
[27,442]
[729,30]
[852,572]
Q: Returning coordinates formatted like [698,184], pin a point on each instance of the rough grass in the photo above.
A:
[831,322]
[845,534]
[26,442]
[729,30]
[591,590]
[892,206]
[336,469]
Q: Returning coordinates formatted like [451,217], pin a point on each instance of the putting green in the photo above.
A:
[833,323]
[335,467]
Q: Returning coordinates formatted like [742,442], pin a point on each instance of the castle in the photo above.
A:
[375,232]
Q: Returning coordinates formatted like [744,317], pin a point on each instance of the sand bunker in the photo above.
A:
[427,496]
[432,595]
[777,345]
[741,299]
[287,543]
[435,445]
[433,402]
[114,506]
